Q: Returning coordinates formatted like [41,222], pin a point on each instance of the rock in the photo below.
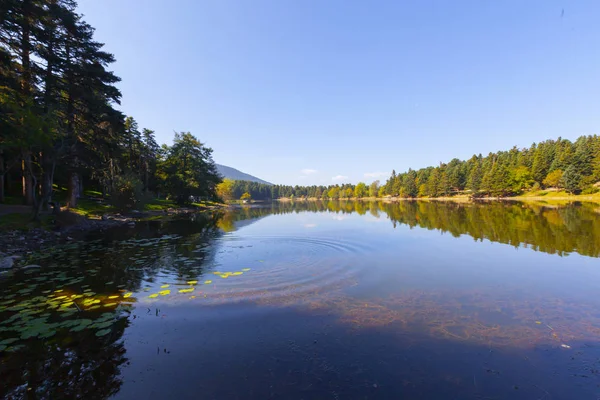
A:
[6,263]
[32,266]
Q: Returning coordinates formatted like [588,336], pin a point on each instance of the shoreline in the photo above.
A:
[17,244]
[460,199]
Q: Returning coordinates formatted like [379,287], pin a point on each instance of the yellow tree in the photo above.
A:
[225,189]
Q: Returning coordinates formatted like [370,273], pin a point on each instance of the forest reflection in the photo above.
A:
[553,229]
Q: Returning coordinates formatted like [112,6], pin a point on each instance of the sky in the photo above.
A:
[320,92]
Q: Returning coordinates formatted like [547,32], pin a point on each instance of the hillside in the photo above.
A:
[237,175]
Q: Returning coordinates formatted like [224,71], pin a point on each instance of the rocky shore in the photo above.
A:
[16,245]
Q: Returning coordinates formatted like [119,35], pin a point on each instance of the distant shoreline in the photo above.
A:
[594,198]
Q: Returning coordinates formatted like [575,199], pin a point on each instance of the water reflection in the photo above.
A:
[543,227]
[250,277]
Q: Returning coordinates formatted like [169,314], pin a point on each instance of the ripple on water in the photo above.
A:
[284,267]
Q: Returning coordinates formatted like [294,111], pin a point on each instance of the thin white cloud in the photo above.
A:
[310,225]
[339,178]
[308,171]
[375,174]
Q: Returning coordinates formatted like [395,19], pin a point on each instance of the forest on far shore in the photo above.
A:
[553,164]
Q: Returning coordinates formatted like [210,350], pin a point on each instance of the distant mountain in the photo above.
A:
[236,175]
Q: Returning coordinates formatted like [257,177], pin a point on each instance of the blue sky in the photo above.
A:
[321,92]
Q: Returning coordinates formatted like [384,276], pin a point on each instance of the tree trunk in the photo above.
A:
[2,175]
[73,190]
[28,186]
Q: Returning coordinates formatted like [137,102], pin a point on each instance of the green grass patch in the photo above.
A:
[91,208]
[159,205]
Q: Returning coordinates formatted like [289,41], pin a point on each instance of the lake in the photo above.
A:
[315,300]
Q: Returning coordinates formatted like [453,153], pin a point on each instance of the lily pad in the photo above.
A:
[126,295]
[8,341]
[103,332]
[207,282]
[164,292]
[192,282]
[164,286]
[153,295]
[189,290]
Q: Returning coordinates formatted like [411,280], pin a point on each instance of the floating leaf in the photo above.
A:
[207,282]
[189,290]
[164,292]
[224,276]
[245,269]
[237,273]
[8,341]
[126,295]
[164,286]
[58,290]
[109,283]
[192,297]
[153,295]
[48,334]
[110,304]
[103,332]
[113,297]
[538,322]
[192,282]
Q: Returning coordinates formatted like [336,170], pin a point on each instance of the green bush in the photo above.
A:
[590,190]
[128,193]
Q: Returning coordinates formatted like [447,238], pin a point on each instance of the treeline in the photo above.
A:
[230,190]
[561,164]
[58,122]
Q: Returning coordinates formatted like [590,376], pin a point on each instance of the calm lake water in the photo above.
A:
[337,300]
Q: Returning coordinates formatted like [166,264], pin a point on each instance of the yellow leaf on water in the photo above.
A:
[164,286]
[60,297]
[164,292]
[126,295]
[237,273]
[112,297]
[245,269]
[224,276]
[58,291]
[189,290]
[192,297]
[153,295]
[110,304]
[207,282]
[538,322]
[217,273]
[192,282]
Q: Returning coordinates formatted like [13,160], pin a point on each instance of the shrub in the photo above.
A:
[128,193]
[590,190]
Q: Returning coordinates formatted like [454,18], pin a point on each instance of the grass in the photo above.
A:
[91,208]
[557,195]
[159,205]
